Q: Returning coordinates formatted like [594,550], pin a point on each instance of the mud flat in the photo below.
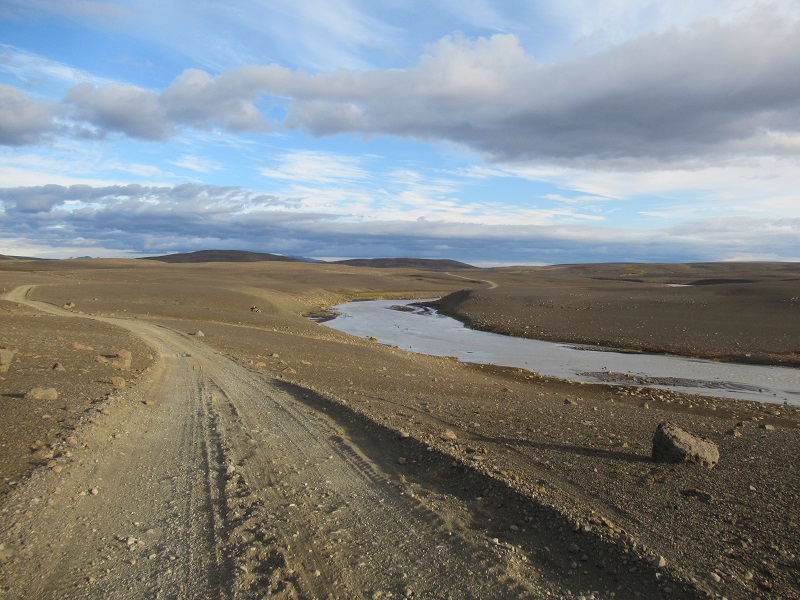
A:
[254,455]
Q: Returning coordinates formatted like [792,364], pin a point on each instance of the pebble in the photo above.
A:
[94,491]
[714,576]
[660,562]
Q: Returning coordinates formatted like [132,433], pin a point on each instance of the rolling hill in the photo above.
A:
[234,256]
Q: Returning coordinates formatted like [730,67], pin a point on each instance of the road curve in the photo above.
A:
[492,285]
[219,483]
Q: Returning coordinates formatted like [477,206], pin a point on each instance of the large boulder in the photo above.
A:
[673,444]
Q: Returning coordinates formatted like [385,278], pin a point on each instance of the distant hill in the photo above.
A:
[425,264]
[206,256]
[6,257]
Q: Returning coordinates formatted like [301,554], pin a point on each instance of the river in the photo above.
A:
[426,332]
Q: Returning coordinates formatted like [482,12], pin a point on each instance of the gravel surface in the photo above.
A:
[273,456]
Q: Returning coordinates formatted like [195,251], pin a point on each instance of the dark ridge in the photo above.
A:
[720,281]
[7,257]
[425,264]
[235,256]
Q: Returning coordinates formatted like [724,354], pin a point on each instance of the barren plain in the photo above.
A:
[249,452]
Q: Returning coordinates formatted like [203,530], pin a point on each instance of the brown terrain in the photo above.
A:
[247,451]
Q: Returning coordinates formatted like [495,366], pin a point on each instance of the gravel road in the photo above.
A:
[213,482]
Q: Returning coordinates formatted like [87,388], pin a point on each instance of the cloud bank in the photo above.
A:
[158,220]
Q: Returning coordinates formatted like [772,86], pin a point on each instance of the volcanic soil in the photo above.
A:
[253,452]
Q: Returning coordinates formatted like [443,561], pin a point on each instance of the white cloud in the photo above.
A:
[315,167]
[593,25]
[196,163]
[39,72]
[325,35]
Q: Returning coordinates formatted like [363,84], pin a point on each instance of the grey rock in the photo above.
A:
[673,444]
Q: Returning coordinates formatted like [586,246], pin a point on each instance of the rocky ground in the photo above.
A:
[546,487]
[730,311]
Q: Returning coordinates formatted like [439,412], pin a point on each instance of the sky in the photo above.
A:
[495,133]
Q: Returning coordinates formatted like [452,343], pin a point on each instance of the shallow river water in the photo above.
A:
[426,332]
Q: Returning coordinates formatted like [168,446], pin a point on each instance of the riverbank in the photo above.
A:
[552,475]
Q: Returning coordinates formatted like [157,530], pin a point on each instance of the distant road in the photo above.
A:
[492,284]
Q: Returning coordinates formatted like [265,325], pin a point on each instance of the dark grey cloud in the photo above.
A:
[121,108]
[197,99]
[152,220]
[23,120]
[670,96]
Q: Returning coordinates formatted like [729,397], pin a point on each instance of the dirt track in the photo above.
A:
[216,483]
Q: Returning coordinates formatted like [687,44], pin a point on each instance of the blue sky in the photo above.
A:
[515,132]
